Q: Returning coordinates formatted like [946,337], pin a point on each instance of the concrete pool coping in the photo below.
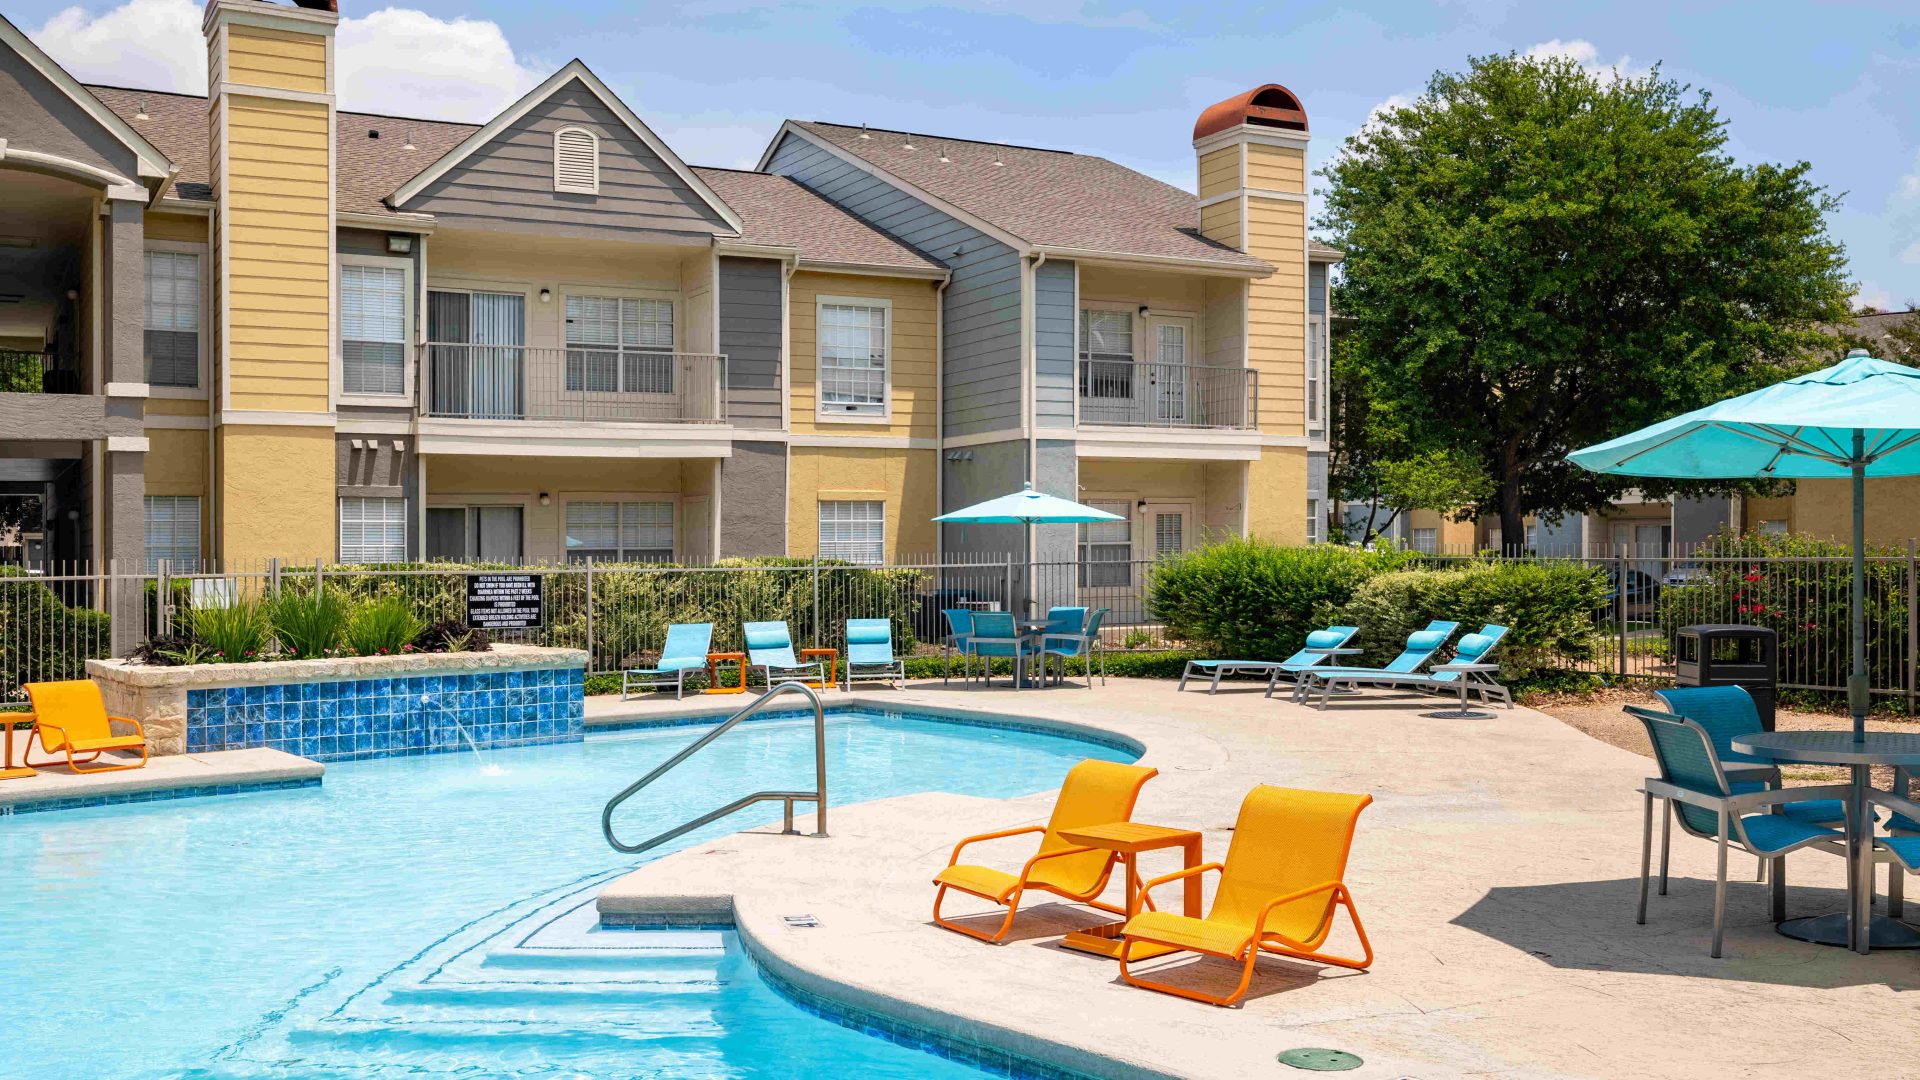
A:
[1495,872]
[218,772]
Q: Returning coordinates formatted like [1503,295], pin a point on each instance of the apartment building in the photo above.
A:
[260,327]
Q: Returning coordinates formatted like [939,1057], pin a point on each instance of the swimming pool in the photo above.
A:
[431,916]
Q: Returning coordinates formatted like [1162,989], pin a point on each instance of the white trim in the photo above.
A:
[870,442]
[1269,193]
[272,418]
[574,69]
[337,362]
[127,389]
[1134,443]
[823,414]
[169,422]
[36,161]
[521,438]
[787,270]
[153,162]
[1249,133]
[1331,255]
[985,438]
[755,251]
[1230,193]
[820,500]
[399,221]
[1200,266]
[927,273]
[868,167]
[568,187]
[126,444]
[1285,440]
[246,13]
[310,97]
[367,425]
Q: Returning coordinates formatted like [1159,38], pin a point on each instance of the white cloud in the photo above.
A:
[1910,183]
[1394,101]
[1869,295]
[396,60]
[1912,254]
[1587,55]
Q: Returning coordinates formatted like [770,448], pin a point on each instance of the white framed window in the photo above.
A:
[173,531]
[619,344]
[1106,353]
[375,304]
[1426,541]
[619,531]
[576,161]
[373,530]
[1314,521]
[854,531]
[853,345]
[1106,547]
[173,318]
[1316,375]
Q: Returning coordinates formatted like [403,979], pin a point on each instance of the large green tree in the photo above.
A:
[1539,257]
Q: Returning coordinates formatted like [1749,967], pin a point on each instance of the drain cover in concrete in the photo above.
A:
[1318,1059]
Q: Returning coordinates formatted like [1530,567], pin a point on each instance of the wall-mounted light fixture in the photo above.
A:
[1143,311]
[1141,506]
[546,499]
[546,296]
[399,244]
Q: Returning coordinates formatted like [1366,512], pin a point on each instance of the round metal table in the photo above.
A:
[1856,928]
[1463,712]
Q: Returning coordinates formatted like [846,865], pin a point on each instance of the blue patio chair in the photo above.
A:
[684,650]
[1082,643]
[959,625]
[996,636]
[1768,823]
[1420,648]
[870,653]
[1318,641]
[770,648]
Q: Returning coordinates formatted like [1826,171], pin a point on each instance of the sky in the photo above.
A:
[1836,85]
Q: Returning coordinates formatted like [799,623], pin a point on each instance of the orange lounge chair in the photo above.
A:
[1095,793]
[1278,889]
[73,718]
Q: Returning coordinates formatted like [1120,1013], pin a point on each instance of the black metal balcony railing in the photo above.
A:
[594,385]
[38,373]
[1128,393]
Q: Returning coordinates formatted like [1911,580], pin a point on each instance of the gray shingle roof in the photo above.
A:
[778,211]
[1049,198]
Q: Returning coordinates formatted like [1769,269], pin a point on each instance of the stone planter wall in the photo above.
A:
[359,707]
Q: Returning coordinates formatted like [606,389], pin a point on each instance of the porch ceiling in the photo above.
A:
[43,225]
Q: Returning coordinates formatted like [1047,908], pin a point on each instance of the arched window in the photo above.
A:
[576,161]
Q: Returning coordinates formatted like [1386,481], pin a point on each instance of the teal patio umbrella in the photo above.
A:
[1858,418]
[1027,507]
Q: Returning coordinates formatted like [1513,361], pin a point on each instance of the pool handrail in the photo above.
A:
[818,796]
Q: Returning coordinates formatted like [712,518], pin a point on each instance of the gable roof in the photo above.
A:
[1046,198]
[154,165]
[777,211]
[574,69]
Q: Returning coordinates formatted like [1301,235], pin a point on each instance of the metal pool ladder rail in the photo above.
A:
[818,796]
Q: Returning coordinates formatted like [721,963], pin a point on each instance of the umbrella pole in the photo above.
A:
[1857,682]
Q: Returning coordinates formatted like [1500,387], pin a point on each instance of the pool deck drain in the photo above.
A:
[1495,872]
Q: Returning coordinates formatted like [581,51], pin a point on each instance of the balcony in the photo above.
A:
[589,386]
[1168,397]
[38,373]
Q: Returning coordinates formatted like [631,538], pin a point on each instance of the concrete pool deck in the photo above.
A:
[1495,871]
[169,776]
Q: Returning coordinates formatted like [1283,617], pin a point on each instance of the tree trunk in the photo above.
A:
[1513,520]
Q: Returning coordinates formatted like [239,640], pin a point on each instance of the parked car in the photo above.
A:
[1641,590]
[1683,574]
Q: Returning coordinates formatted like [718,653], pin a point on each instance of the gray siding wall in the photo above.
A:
[1316,288]
[378,471]
[1696,520]
[509,182]
[983,472]
[1058,470]
[1054,331]
[40,117]
[753,501]
[981,370]
[750,338]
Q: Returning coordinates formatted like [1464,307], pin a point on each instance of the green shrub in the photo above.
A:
[1548,608]
[382,627]
[235,634]
[50,640]
[308,624]
[1252,599]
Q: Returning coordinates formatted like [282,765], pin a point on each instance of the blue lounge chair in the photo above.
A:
[870,653]
[684,650]
[995,635]
[770,648]
[1473,649]
[1420,648]
[1318,642]
[1768,823]
[959,625]
[1081,642]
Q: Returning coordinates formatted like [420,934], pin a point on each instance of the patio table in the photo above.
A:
[1857,927]
[9,721]
[1127,839]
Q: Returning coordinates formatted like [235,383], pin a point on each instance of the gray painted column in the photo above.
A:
[753,500]
[126,542]
[1056,547]
[123,289]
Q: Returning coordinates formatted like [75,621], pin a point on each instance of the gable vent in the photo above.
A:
[576,161]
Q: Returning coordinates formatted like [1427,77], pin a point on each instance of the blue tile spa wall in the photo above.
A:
[422,714]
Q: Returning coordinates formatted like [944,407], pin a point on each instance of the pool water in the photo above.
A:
[430,916]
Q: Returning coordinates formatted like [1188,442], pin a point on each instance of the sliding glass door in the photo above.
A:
[478,354]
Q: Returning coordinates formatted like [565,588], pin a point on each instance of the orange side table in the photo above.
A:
[8,770]
[1128,839]
[831,667]
[714,659]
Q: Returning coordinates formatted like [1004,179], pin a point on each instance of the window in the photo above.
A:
[373,530]
[854,531]
[1169,529]
[1106,547]
[619,345]
[1773,527]
[1426,541]
[486,533]
[620,531]
[1316,374]
[173,318]
[853,357]
[373,329]
[1313,521]
[1106,353]
[576,161]
[173,531]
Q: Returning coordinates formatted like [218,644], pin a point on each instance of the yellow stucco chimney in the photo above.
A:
[270,100]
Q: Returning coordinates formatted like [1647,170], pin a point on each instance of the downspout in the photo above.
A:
[1030,382]
[940,414]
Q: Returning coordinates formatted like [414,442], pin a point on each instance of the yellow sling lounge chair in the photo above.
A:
[1095,793]
[72,717]
[1278,889]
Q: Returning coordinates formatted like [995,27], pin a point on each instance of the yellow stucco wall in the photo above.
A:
[903,479]
[1219,171]
[1276,495]
[1210,489]
[170,406]
[275,494]
[177,465]
[282,59]
[1824,508]
[911,359]
[474,480]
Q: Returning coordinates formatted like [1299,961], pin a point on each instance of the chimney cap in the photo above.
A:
[319,5]
[1271,105]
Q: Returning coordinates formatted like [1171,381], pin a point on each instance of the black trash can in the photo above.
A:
[1730,655]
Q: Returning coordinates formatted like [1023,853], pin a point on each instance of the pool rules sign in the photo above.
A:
[504,601]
